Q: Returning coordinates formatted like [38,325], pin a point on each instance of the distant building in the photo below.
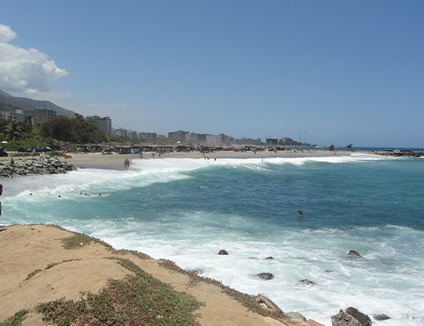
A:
[179,136]
[121,132]
[271,141]
[248,141]
[132,134]
[41,115]
[18,115]
[104,124]
[147,135]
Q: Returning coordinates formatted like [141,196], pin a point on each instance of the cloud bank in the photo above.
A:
[25,71]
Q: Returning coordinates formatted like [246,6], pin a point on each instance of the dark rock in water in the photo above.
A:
[328,271]
[223,252]
[307,282]
[353,253]
[363,319]
[381,317]
[344,319]
[269,257]
[265,276]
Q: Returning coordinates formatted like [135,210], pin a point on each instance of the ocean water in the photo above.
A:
[186,210]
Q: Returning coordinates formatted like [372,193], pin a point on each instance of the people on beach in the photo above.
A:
[127,163]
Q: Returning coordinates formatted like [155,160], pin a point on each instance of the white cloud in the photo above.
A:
[25,71]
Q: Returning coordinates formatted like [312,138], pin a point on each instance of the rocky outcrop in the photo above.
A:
[344,319]
[363,319]
[21,167]
[352,317]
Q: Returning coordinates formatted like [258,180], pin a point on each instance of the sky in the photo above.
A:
[328,72]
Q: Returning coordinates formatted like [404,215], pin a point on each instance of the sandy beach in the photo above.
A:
[116,161]
[35,268]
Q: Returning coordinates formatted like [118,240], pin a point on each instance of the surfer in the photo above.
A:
[300,213]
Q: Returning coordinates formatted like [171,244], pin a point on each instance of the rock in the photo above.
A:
[363,319]
[344,319]
[307,282]
[269,257]
[223,252]
[265,276]
[268,304]
[380,317]
[35,166]
[353,253]
[296,315]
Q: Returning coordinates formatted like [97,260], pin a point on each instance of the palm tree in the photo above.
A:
[15,130]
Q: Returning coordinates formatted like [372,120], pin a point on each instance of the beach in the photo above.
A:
[186,207]
[116,161]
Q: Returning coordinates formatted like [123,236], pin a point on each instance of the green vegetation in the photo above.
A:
[245,299]
[16,319]
[57,132]
[139,299]
[78,240]
[14,129]
[75,130]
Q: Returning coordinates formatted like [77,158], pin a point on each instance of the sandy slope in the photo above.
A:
[66,273]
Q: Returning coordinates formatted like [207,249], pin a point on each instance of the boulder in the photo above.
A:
[223,252]
[380,317]
[265,276]
[353,253]
[344,319]
[268,304]
[363,319]
[296,315]
[307,282]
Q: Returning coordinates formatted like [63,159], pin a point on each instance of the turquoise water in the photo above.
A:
[187,210]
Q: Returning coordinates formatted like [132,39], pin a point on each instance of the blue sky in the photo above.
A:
[339,72]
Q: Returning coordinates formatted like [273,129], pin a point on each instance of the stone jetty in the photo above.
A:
[32,166]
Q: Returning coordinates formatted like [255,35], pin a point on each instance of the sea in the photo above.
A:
[306,213]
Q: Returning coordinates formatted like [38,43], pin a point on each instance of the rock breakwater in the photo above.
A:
[32,166]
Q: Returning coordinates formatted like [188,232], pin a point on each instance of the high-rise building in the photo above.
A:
[42,115]
[104,124]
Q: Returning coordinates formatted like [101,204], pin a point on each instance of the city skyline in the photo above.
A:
[344,72]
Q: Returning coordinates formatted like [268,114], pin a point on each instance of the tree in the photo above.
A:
[75,130]
[16,130]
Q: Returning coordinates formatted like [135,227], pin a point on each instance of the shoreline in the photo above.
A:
[116,161]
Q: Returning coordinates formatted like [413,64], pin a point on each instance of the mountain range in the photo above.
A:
[30,104]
